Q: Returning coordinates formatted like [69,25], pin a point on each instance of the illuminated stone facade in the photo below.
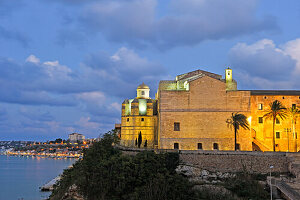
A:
[190,113]
[139,116]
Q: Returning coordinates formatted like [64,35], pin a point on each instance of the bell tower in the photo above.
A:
[230,83]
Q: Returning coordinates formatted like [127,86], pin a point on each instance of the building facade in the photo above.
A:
[191,113]
[73,137]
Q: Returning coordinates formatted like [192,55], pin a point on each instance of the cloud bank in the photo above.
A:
[185,22]
[265,65]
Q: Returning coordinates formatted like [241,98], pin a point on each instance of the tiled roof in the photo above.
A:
[275,92]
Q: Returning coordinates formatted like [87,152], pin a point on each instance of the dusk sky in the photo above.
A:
[67,65]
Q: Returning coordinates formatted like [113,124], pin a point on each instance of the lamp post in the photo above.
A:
[271,167]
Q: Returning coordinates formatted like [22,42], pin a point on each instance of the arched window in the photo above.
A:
[143,92]
[216,146]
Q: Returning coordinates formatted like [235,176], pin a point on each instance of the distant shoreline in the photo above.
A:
[42,155]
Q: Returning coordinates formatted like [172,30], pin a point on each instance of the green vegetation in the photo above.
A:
[277,110]
[236,121]
[245,186]
[105,173]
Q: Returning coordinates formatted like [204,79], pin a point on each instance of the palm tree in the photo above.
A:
[294,112]
[236,121]
[277,110]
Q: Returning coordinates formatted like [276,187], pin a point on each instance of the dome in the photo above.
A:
[143,86]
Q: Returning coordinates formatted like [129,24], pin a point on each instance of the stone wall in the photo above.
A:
[230,161]
[256,162]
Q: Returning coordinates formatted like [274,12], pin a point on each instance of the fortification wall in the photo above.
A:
[255,162]
[229,161]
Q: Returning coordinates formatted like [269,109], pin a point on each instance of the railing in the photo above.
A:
[287,190]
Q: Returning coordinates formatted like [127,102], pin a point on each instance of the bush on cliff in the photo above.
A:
[105,173]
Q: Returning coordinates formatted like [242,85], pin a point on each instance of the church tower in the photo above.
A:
[230,83]
[139,117]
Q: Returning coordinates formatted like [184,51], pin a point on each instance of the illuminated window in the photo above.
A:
[142,119]
[199,146]
[260,120]
[260,106]
[277,135]
[176,126]
[143,92]
[293,106]
[216,146]
[128,119]
[176,146]
[277,121]
[238,146]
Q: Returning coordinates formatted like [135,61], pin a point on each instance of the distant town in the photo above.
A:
[71,148]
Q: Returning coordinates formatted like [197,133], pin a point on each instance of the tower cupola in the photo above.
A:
[142,91]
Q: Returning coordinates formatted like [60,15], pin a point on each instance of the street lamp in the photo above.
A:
[271,167]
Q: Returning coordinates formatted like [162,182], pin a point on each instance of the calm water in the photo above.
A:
[21,177]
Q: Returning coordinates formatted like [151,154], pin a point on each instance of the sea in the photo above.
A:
[21,176]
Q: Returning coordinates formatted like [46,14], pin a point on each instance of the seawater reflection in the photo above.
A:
[21,177]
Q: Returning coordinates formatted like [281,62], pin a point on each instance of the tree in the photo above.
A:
[277,110]
[136,142]
[146,143]
[236,121]
[294,113]
[140,139]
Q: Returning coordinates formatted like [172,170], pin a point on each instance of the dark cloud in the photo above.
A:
[14,35]
[263,65]
[36,115]
[188,23]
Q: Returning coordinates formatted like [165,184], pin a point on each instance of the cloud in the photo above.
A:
[120,73]
[36,115]
[101,78]
[186,22]
[264,65]
[8,6]
[6,34]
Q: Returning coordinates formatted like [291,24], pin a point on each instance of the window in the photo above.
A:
[265,97]
[143,92]
[277,135]
[260,106]
[238,146]
[142,119]
[176,146]
[216,146]
[199,146]
[228,73]
[282,97]
[293,106]
[260,120]
[128,119]
[296,135]
[176,126]
[277,121]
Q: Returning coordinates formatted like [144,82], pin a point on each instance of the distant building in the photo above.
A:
[76,136]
